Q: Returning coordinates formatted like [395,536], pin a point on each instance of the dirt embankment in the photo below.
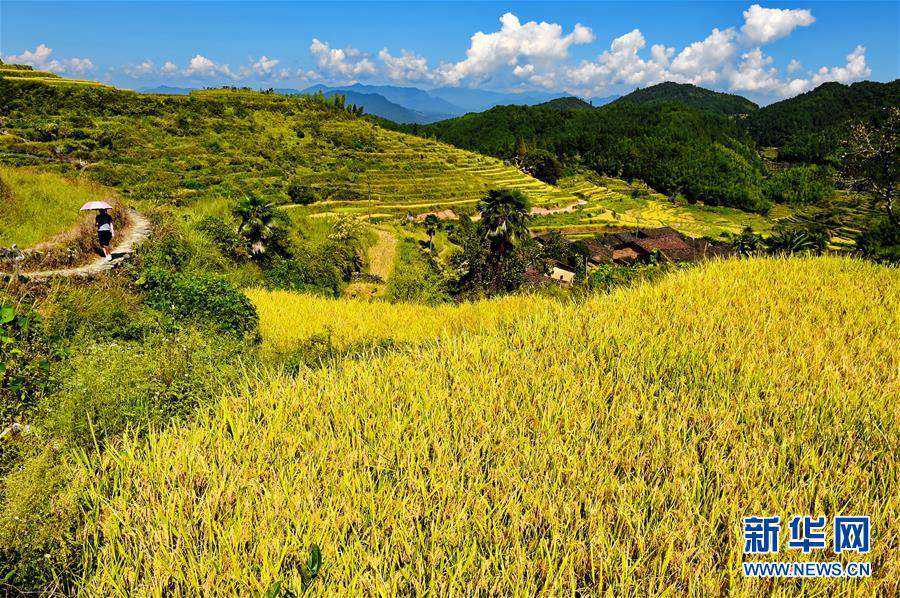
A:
[70,249]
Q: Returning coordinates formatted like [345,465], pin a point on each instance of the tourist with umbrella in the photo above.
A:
[104,222]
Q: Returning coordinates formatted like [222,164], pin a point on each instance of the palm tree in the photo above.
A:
[257,222]
[504,218]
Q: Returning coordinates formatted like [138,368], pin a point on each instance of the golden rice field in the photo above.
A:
[610,447]
[286,319]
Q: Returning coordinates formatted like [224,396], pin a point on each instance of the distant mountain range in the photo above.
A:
[414,105]
[165,89]
[408,105]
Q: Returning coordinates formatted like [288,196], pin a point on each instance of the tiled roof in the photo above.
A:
[652,233]
[662,243]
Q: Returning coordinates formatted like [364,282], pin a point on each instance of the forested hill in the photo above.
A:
[691,95]
[676,149]
[808,123]
[567,103]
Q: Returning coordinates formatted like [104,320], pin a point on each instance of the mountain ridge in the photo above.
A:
[691,95]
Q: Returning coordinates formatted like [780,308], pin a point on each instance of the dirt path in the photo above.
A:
[539,211]
[137,232]
[382,254]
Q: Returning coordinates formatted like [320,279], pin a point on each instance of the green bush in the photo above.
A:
[797,238]
[101,310]
[106,389]
[416,278]
[200,297]
[224,237]
[880,241]
[304,272]
[24,362]
[301,194]
[543,166]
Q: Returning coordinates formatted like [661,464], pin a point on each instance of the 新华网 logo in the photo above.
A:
[762,535]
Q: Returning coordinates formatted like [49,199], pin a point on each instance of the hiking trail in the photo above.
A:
[138,231]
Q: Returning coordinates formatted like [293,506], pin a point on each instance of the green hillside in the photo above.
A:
[205,147]
[676,149]
[691,95]
[35,205]
[807,127]
[27,73]
[821,109]
[568,103]
[201,151]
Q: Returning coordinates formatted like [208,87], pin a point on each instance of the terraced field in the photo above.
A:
[413,175]
[612,203]
[28,74]
[405,173]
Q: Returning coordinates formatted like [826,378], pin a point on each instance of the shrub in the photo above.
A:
[543,166]
[167,248]
[102,310]
[416,278]
[880,241]
[24,362]
[302,272]
[201,297]
[224,237]
[800,184]
[797,238]
[301,194]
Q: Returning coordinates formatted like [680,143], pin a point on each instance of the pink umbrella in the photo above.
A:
[95,205]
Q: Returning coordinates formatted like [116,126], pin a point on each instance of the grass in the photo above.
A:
[610,447]
[42,205]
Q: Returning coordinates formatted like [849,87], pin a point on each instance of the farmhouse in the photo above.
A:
[666,243]
[441,215]
[558,274]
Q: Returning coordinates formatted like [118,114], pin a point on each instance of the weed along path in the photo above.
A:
[138,230]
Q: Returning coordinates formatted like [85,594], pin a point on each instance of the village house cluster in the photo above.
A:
[630,247]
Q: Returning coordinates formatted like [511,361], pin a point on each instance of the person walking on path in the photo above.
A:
[105,231]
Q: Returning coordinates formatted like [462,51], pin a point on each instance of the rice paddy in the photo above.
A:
[605,447]
[612,203]
[288,319]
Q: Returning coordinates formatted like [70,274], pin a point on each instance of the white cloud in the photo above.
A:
[405,67]
[700,62]
[755,74]
[41,59]
[169,68]
[139,70]
[488,52]
[77,65]
[265,66]
[794,66]
[344,62]
[854,70]
[763,25]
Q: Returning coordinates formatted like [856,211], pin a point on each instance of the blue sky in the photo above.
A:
[764,51]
